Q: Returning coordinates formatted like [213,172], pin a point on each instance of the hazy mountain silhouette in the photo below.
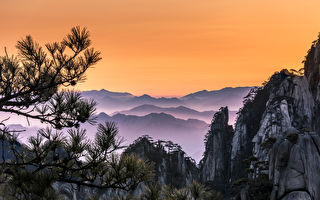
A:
[161,118]
[213,100]
[181,112]
[188,133]
[110,102]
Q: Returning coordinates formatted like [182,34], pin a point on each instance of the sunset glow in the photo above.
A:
[171,48]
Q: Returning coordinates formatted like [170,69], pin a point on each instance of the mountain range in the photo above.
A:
[181,112]
[184,120]
[110,102]
[188,133]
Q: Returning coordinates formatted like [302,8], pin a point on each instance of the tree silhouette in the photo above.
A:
[29,82]
[33,84]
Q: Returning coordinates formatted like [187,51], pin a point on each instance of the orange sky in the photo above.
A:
[173,47]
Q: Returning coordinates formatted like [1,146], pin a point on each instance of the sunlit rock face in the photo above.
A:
[290,105]
[215,165]
[248,125]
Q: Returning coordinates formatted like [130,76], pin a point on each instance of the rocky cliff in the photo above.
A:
[294,166]
[274,150]
[290,102]
[215,165]
[246,127]
[172,166]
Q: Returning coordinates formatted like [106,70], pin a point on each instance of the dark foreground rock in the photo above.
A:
[295,166]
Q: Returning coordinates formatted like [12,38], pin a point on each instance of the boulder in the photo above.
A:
[294,166]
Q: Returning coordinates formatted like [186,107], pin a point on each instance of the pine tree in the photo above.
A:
[34,84]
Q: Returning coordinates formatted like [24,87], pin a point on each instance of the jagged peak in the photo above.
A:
[221,117]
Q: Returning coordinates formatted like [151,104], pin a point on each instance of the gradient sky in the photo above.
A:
[173,47]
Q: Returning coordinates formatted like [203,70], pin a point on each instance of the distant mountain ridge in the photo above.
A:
[204,100]
[181,112]
[184,120]
[188,133]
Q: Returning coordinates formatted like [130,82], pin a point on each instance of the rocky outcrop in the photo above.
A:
[172,166]
[275,140]
[215,165]
[291,105]
[287,115]
[247,126]
[294,166]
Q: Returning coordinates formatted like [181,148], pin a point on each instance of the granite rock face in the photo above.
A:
[215,165]
[295,166]
[290,105]
[247,127]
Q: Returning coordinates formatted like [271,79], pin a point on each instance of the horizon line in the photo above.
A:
[167,96]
